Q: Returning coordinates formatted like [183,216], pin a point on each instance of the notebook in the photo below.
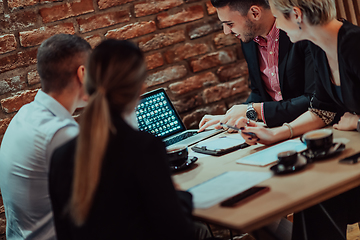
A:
[156,114]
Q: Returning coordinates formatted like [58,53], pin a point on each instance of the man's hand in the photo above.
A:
[347,122]
[233,115]
[209,120]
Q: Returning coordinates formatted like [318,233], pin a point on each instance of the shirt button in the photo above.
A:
[271,52]
[279,93]
[276,40]
[272,74]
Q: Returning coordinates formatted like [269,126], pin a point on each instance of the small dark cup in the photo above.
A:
[177,155]
[288,158]
[318,140]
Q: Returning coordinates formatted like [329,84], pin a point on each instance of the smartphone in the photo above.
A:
[355,158]
[244,196]
[238,129]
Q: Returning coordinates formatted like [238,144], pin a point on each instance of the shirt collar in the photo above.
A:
[273,35]
[52,105]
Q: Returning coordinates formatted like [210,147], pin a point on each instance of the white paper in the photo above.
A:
[269,155]
[224,186]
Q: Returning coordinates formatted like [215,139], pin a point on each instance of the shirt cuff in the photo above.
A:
[262,113]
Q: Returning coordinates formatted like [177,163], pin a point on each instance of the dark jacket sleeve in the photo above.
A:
[297,87]
[60,178]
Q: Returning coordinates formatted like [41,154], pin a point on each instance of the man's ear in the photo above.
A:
[80,74]
[255,12]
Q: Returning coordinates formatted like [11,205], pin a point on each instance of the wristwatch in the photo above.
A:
[251,113]
[358,125]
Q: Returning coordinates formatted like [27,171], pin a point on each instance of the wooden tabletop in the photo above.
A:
[289,193]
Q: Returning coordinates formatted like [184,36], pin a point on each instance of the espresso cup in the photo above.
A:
[318,140]
[177,155]
[288,158]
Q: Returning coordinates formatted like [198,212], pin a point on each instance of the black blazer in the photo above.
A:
[135,198]
[296,77]
[326,97]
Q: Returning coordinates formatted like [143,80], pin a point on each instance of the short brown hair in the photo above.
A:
[241,6]
[58,59]
[317,12]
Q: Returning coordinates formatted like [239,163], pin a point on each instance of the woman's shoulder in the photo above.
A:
[349,33]
[349,38]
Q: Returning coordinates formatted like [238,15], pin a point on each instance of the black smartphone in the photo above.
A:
[238,129]
[246,195]
[355,158]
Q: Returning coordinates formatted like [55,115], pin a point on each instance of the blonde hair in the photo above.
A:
[317,12]
[116,72]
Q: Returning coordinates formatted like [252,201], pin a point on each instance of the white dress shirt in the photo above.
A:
[33,134]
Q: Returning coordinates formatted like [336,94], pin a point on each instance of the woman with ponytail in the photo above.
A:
[112,181]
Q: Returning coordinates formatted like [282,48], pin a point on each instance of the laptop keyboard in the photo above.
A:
[179,138]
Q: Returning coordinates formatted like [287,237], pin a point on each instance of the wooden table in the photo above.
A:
[288,193]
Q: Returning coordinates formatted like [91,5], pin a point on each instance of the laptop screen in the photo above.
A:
[156,114]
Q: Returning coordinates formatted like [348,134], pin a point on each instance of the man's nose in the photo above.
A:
[226,29]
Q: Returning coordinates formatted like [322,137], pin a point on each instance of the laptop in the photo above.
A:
[156,114]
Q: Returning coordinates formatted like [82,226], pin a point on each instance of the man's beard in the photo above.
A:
[251,33]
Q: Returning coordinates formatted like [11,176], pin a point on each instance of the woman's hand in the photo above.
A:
[347,122]
[263,135]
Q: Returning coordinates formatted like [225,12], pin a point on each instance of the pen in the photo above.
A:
[238,129]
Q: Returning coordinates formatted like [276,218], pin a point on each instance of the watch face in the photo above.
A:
[251,114]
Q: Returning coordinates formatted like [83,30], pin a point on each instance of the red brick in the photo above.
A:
[18,60]
[185,15]
[166,75]
[154,60]
[193,119]
[232,71]
[18,21]
[210,8]
[13,104]
[37,36]
[225,90]
[33,77]
[192,83]
[213,59]
[93,40]
[222,40]
[111,3]
[7,43]
[161,40]
[151,7]
[132,30]
[4,123]
[103,20]
[186,103]
[66,10]
[12,84]
[185,51]
[203,28]
[21,3]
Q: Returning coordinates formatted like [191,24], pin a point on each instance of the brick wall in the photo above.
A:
[202,70]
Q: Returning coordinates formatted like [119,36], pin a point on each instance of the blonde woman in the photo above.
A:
[118,185]
[336,55]
[336,64]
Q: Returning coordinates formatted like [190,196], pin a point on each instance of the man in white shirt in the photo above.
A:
[36,131]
